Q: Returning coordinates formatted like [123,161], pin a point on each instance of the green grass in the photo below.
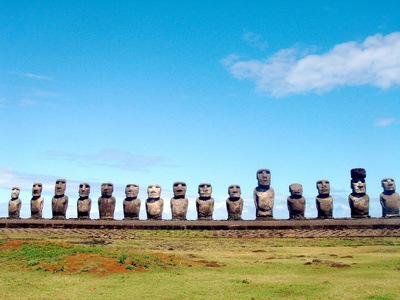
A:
[240,268]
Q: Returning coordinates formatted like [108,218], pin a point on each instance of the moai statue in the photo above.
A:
[106,202]
[59,203]
[154,204]
[296,202]
[131,203]
[84,202]
[14,205]
[324,201]
[205,203]
[179,203]
[263,195]
[358,199]
[389,199]
[234,204]
[36,201]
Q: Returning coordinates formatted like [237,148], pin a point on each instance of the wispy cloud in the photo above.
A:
[30,75]
[111,158]
[27,102]
[384,122]
[255,40]
[374,62]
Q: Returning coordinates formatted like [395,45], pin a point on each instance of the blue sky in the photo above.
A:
[204,91]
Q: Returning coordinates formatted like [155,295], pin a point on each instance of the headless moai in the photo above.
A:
[59,202]
[263,195]
[296,202]
[358,199]
[131,203]
[205,203]
[14,205]
[84,203]
[324,201]
[179,203]
[389,199]
[234,204]
[37,201]
[154,202]
[106,202]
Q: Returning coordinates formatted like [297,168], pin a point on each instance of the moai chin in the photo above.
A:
[234,204]
[263,195]
[358,199]
[296,202]
[14,205]
[154,204]
[36,201]
[84,203]
[389,199]
[179,203]
[131,203]
[106,202]
[205,203]
[59,202]
[324,201]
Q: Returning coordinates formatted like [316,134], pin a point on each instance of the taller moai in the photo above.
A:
[263,195]
[204,203]
[36,201]
[59,202]
[154,202]
[106,202]
[358,199]
[131,203]
[179,203]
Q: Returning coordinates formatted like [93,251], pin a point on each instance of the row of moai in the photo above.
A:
[263,199]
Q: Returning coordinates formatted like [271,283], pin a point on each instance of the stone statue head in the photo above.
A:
[179,189]
[323,187]
[205,190]
[59,189]
[15,193]
[131,190]
[264,177]
[296,190]
[37,189]
[84,190]
[153,191]
[107,189]
[389,187]
[357,183]
[234,191]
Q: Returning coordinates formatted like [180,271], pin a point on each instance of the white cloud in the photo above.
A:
[384,122]
[255,40]
[30,75]
[375,62]
[27,102]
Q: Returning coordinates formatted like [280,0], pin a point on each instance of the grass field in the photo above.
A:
[196,265]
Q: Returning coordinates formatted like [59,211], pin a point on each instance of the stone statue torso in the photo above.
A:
[14,207]
[324,206]
[36,207]
[59,206]
[204,208]
[390,205]
[179,208]
[131,208]
[234,208]
[106,207]
[359,205]
[154,208]
[296,207]
[264,201]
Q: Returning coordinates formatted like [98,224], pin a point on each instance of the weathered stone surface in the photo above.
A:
[84,203]
[296,202]
[131,203]
[205,203]
[263,195]
[179,203]
[234,204]
[389,199]
[358,199]
[106,202]
[59,202]
[154,204]
[324,201]
[14,205]
[36,201]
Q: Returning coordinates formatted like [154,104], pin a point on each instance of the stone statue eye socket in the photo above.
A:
[183,184]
